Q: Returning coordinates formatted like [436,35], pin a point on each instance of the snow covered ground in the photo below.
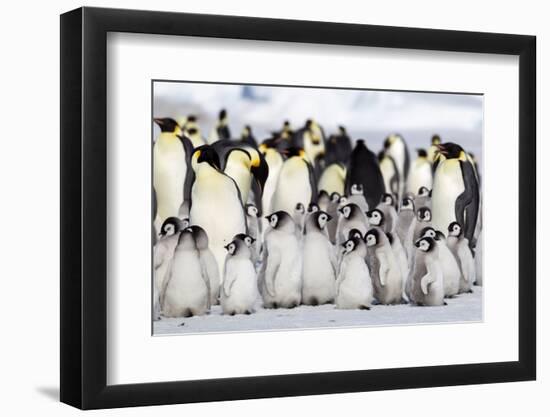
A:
[463,308]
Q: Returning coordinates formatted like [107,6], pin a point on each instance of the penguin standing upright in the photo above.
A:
[332,211]
[216,203]
[423,197]
[323,200]
[364,170]
[390,215]
[423,219]
[352,217]
[455,194]
[406,223]
[354,284]
[396,147]
[461,250]
[220,131]
[385,271]
[299,217]
[186,290]
[432,150]
[333,178]
[390,173]
[191,129]
[248,137]
[171,170]
[338,147]
[420,174]
[253,225]
[357,197]
[280,278]
[239,293]
[319,262]
[311,139]
[244,166]
[208,262]
[427,277]
[296,183]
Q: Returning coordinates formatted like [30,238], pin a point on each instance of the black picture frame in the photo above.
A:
[84,207]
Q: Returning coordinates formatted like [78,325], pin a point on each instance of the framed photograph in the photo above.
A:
[261,208]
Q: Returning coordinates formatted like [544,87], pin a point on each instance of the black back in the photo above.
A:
[364,170]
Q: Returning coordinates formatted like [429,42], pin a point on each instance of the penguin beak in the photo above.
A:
[329,217]
[158,121]
[441,149]
[341,210]
[260,172]
[417,243]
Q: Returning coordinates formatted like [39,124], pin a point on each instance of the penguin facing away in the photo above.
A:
[384,268]
[354,285]
[396,147]
[239,293]
[427,277]
[458,245]
[208,262]
[390,173]
[186,290]
[319,262]
[221,130]
[280,277]
[274,161]
[338,147]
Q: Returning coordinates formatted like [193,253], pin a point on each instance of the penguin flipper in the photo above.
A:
[206,279]
[467,203]
[273,263]
[190,174]
[312,182]
[425,281]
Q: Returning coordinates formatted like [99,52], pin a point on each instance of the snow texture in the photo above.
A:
[462,308]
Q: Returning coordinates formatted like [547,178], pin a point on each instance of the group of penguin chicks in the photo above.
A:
[364,238]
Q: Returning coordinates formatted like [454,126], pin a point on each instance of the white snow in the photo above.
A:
[463,308]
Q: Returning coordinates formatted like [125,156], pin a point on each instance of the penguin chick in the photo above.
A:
[299,218]
[332,211]
[352,217]
[427,277]
[280,278]
[390,214]
[357,197]
[253,223]
[319,262]
[323,200]
[406,223]
[354,285]
[384,268]
[186,290]
[208,262]
[423,198]
[423,219]
[459,246]
[239,293]
[449,265]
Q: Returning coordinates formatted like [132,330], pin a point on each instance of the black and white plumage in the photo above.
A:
[458,245]
[427,276]
[364,170]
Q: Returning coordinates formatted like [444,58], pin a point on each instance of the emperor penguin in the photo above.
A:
[427,276]
[357,197]
[248,137]
[191,129]
[323,200]
[253,226]
[163,251]
[299,218]
[244,165]
[280,277]
[216,203]
[478,260]
[384,268]
[274,161]
[423,197]
[396,147]
[338,147]
[171,169]
[390,214]
[319,262]
[420,174]
[449,265]
[432,150]
[208,262]
[296,183]
[332,211]
[220,130]
[364,170]
[354,284]
[463,254]
[333,178]
[390,173]
[423,219]
[455,194]
[406,223]
[352,217]
[311,139]
[239,293]
[186,289]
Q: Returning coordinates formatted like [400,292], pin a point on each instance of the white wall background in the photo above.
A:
[29,176]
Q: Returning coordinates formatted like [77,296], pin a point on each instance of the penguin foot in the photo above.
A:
[313,301]
[470,291]
[187,314]
[232,313]
[248,312]
[444,303]
[363,307]
[181,324]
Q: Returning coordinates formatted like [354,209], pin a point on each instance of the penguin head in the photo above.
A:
[200,236]
[455,229]
[171,226]
[425,244]
[186,239]
[299,208]
[436,139]
[428,232]
[205,154]
[407,204]
[295,152]
[259,168]
[423,192]
[251,210]
[375,217]
[355,233]
[222,116]
[238,247]
[312,208]
[323,195]
[424,214]
[247,132]
[421,153]
[281,220]
[373,237]
[168,125]
[239,156]
[185,223]
[342,201]
[321,218]
[334,197]
[342,131]
[387,198]
[349,210]
[391,139]
[451,150]
[356,189]
[247,239]
[351,245]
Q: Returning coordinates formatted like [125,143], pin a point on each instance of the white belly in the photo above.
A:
[447,186]
[293,187]
[420,176]
[318,274]
[333,179]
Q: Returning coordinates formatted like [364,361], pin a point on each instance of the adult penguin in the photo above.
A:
[364,170]
[192,130]
[171,169]
[333,178]
[310,138]
[221,129]
[390,173]
[216,203]
[432,150]
[455,193]
[396,147]
[338,147]
[420,174]
[248,137]
[274,161]
[296,183]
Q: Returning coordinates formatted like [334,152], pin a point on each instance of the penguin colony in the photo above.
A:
[305,219]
